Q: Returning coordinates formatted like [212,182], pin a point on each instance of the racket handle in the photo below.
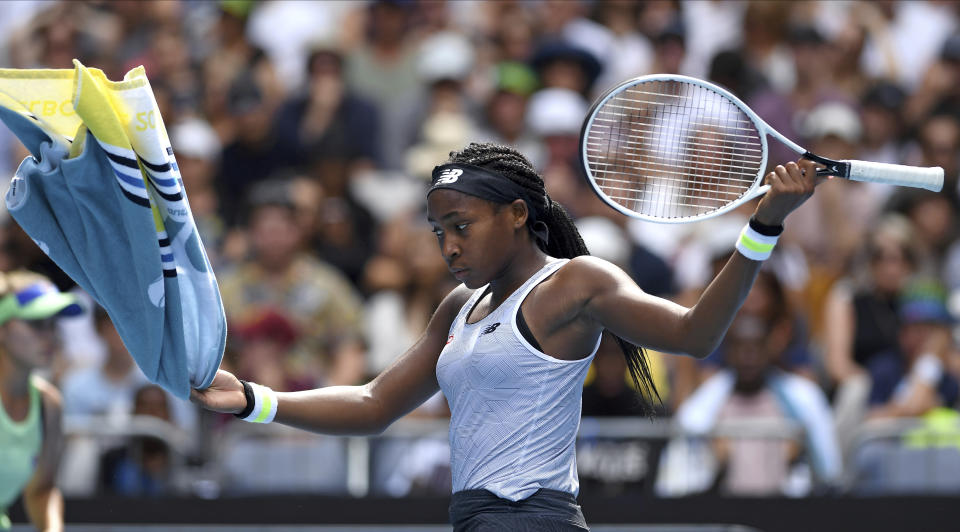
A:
[897,174]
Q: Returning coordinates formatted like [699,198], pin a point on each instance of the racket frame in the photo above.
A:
[834,168]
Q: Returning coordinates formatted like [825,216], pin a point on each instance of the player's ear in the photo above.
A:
[518,210]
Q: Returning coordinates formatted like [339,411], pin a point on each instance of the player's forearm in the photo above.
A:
[341,410]
[45,509]
[707,322]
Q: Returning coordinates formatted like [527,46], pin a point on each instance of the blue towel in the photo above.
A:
[101,194]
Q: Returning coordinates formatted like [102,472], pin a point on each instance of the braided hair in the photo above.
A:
[564,239]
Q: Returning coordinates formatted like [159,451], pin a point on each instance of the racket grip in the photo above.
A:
[897,174]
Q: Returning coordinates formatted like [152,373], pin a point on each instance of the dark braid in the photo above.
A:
[564,239]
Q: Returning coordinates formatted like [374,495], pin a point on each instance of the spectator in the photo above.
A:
[167,60]
[934,217]
[860,316]
[731,70]
[555,116]
[444,114]
[764,47]
[883,125]
[847,40]
[444,64]
[315,296]
[607,390]
[329,121]
[711,27]
[20,252]
[407,280]
[54,38]
[304,25]
[106,389]
[383,70]
[506,111]
[813,86]
[669,48]
[911,379]
[142,467]
[232,59]
[939,145]
[752,387]
[261,345]
[914,379]
[903,38]
[338,229]
[768,302]
[255,152]
[629,52]
[770,298]
[513,33]
[831,227]
[31,432]
[939,85]
[198,151]
[562,65]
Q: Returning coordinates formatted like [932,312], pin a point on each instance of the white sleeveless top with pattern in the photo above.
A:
[515,411]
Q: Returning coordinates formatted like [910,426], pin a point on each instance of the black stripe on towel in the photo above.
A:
[165,167]
[143,202]
[121,160]
[169,197]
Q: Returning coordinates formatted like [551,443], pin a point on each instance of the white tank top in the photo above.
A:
[515,411]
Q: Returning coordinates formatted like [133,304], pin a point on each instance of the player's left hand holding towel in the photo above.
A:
[102,196]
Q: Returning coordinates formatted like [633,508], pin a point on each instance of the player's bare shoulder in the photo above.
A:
[457,297]
[590,274]
[448,309]
[565,294]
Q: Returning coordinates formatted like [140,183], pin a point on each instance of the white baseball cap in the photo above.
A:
[556,112]
[195,138]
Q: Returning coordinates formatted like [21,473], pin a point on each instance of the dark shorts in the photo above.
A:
[544,511]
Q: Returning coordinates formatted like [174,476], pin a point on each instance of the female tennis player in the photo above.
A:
[31,437]
[510,347]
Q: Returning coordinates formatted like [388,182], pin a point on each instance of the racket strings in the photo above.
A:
[749,146]
[734,187]
[672,149]
[745,126]
[722,163]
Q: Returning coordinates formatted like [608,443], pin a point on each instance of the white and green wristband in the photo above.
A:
[261,403]
[757,241]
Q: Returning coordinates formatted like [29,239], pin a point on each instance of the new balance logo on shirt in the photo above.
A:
[490,329]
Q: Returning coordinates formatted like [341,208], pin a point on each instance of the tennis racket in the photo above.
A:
[675,149]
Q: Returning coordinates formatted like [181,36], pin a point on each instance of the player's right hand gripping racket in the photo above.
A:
[677,149]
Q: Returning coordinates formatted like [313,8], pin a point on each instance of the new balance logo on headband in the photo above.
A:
[450,175]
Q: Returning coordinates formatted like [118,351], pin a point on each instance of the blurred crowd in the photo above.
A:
[305,134]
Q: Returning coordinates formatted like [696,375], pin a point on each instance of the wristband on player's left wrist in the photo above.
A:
[765,229]
[755,242]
